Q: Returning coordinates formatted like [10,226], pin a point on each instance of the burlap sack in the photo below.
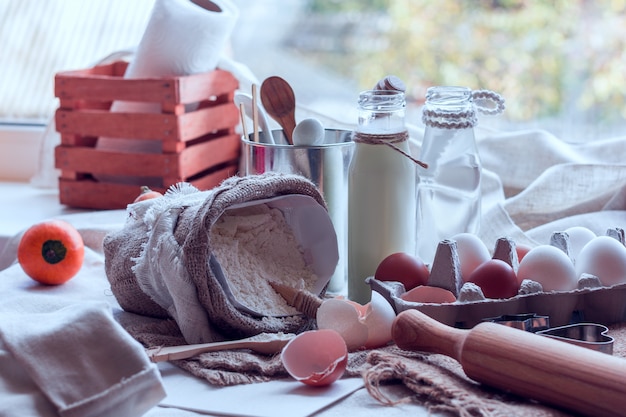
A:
[161,263]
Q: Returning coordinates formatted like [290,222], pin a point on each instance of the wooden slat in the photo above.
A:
[214,178]
[96,195]
[194,88]
[149,126]
[200,122]
[199,157]
[94,161]
[92,194]
[104,84]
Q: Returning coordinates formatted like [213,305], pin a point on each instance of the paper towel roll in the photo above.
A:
[182,37]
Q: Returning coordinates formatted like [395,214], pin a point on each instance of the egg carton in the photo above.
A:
[589,302]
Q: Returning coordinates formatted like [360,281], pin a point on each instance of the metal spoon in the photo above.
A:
[280,103]
[266,343]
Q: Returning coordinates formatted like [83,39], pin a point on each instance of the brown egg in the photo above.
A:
[496,279]
[402,267]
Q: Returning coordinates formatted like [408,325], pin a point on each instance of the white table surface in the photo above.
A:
[23,205]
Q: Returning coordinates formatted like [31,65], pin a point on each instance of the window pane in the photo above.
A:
[560,64]
[40,38]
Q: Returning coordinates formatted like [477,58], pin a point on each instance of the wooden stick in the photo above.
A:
[555,372]
[255,113]
[304,301]
[242,112]
[262,343]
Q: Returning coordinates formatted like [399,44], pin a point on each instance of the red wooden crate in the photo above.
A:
[199,146]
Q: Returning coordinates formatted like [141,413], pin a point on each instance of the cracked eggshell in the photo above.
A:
[379,319]
[343,316]
[361,326]
[316,357]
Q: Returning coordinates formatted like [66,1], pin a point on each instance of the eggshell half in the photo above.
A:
[378,320]
[343,317]
[361,326]
[316,357]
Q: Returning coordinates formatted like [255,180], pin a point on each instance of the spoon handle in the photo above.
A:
[171,353]
[288,123]
[537,367]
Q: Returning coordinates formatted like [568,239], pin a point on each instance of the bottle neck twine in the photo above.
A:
[484,101]
[387,140]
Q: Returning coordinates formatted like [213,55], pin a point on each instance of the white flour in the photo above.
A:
[255,245]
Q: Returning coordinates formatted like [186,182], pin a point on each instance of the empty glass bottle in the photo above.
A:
[448,192]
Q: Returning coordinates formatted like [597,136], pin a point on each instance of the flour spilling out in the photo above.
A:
[255,245]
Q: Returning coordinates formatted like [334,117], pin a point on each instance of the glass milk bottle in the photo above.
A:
[381,189]
[448,192]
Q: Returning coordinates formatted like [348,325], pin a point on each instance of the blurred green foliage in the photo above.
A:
[546,57]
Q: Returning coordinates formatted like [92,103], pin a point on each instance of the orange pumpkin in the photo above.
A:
[147,194]
[51,252]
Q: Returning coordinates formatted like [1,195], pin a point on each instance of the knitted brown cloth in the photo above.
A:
[434,381]
[439,384]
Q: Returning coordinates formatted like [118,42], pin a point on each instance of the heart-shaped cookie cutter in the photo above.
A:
[588,335]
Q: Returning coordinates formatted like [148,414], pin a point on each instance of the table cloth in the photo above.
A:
[534,184]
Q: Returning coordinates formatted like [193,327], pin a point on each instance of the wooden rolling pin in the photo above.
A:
[551,371]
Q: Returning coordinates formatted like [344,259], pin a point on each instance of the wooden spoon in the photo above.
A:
[280,103]
[263,343]
[558,373]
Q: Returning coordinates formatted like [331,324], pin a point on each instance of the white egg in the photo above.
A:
[605,258]
[472,252]
[309,132]
[549,266]
[578,237]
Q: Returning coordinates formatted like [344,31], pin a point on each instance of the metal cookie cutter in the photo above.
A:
[588,335]
[529,322]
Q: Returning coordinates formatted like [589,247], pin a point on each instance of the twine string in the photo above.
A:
[387,140]
[484,101]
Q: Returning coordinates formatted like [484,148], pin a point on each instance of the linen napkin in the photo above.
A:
[75,361]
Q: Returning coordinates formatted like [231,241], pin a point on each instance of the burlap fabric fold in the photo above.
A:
[391,376]
[160,264]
